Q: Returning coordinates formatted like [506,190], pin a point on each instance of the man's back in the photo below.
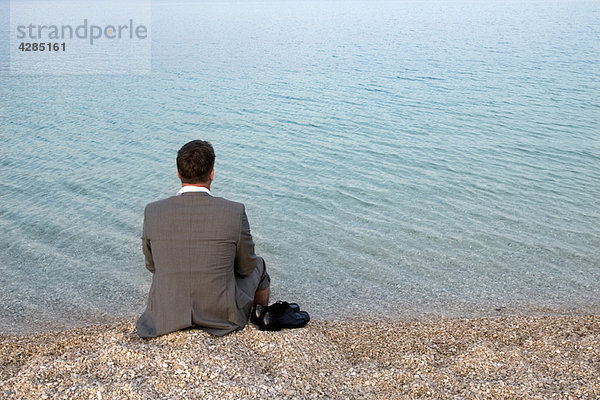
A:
[198,247]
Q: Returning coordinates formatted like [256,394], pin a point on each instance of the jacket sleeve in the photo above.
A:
[245,259]
[146,248]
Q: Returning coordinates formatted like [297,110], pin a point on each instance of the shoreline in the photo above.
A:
[499,357]
[34,327]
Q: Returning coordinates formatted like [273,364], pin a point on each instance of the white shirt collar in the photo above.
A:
[190,189]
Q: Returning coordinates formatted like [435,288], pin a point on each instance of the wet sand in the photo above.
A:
[513,357]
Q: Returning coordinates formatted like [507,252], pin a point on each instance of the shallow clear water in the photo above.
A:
[397,159]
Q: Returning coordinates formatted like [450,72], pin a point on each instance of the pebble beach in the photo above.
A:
[510,357]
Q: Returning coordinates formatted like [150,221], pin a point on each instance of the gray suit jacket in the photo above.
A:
[197,246]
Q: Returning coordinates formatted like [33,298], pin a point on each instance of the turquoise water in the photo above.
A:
[403,159]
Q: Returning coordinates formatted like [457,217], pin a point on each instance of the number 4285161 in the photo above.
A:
[42,46]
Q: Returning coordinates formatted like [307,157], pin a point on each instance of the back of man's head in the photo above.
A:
[195,162]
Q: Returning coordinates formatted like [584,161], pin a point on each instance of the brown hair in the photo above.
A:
[195,161]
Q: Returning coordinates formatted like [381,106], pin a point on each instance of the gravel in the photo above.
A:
[513,357]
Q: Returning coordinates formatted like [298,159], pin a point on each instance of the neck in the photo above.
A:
[205,185]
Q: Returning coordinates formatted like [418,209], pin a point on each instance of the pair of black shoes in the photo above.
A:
[278,316]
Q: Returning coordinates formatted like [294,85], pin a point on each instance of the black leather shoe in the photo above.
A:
[257,314]
[258,311]
[282,315]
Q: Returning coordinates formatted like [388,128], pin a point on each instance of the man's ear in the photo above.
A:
[178,174]
[212,174]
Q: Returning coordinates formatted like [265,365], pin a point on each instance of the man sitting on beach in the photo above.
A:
[200,251]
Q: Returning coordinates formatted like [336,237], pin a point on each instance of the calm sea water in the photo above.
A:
[403,159]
